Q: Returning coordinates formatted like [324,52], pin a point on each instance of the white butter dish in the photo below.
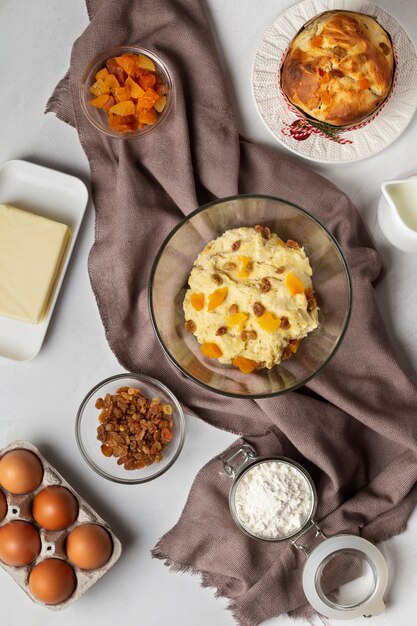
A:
[54,195]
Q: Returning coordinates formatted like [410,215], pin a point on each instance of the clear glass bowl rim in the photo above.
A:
[100,58]
[139,378]
[186,219]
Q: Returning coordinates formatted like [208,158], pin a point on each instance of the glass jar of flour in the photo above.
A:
[274,499]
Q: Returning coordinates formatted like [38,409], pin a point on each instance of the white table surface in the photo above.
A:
[39,398]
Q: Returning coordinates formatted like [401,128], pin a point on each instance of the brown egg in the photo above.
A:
[52,581]
[3,506]
[89,546]
[20,543]
[54,508]
[20,471]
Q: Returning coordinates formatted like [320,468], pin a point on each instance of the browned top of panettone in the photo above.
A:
[339,68]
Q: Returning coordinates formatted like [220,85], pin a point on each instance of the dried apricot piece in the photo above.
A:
[211,350]
[238,319]
[135,90]
[100,101]
[364,83]
[317,41]
[123,108]
[127,62]
[147,80]
[325,98]
[119,123]
[245,266]
[99,88]
[269,322]
[148,117]
[245,365]
[147,100]
[160,104]
[111,83]
[122,94]
[216,298]
[145,63]
[197,301]
[294,284]
[102,74]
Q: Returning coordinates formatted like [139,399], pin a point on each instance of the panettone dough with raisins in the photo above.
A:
[239,275]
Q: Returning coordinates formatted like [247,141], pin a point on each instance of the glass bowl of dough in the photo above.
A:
[250,296]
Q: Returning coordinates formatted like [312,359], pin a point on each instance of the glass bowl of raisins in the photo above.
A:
[130,428]
[126,92]
[190,299]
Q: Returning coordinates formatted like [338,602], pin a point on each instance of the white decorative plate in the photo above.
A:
[287,124]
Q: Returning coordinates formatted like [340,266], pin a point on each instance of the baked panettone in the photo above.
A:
[339,68]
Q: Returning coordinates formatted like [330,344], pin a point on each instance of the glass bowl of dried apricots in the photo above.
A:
[250,296]
[126,92]
[130,428]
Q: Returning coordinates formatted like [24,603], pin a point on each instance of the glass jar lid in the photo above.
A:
[345,577]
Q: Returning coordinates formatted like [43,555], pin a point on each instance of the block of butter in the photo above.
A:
[31,252]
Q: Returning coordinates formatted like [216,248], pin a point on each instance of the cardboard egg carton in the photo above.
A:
[53,542]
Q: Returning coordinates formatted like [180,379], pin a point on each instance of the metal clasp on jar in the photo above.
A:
[236,461]
[317,533]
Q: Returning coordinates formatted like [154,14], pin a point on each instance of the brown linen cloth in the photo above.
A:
[353,426]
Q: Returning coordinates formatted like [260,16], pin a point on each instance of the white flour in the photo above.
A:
[273,500]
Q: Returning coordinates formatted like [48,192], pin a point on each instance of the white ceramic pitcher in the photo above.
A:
[397,213]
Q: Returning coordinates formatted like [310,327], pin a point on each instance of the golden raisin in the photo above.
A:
[285,323]
[311,299]
[216,278]
[190,326]
[233,309]
[281,269]
[258,309]
[125,435]
[293,345]
[236,245]
[385,49]
[294,245]
[265,285]
[264,230]
[221,331]
[106,450]
[286,354]
[229,266]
